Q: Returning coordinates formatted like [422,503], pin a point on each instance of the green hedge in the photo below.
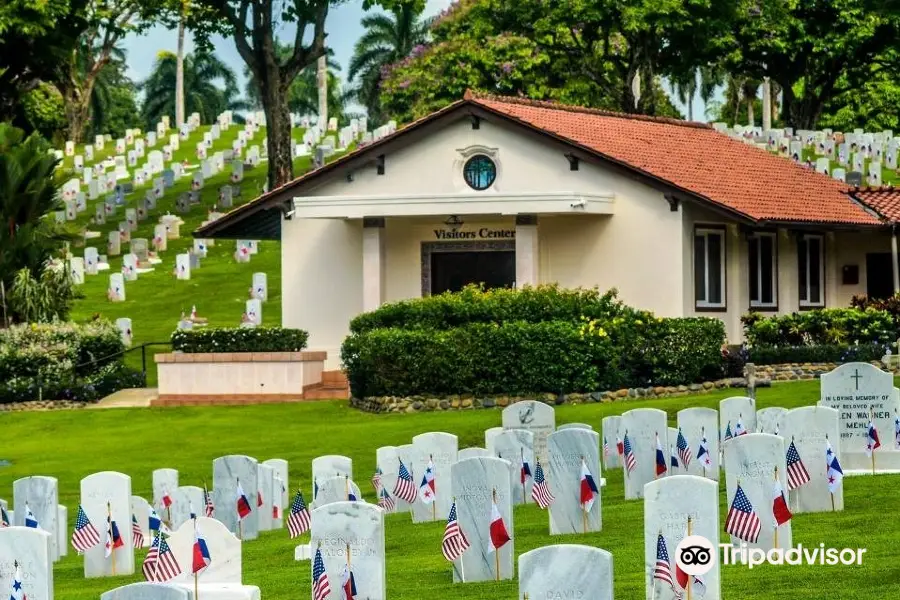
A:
[239,339]
[830,327]
[770,355]
[521,357]
[109,378]
[473,305]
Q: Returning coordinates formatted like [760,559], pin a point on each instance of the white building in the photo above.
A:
[684,221]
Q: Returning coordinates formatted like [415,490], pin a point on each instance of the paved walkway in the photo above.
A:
[130,398]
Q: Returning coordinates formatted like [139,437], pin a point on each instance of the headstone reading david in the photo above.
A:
[811,429]
[31,549]
[642,426]
[517,447]
[231,473]
[860,392]
[40,494]
[699,426]
[534,416]
[350,535]
[566,571]
[477,484]
[754,461]
[675,507]
[439,450]
[103,495]
[572,451]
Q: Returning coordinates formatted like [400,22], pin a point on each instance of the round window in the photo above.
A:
[480,172]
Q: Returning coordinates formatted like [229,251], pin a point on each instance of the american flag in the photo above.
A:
[298,521]
[663,569]
[455,541]
[540,491]
[742,522]
[376,479]
[137,536]
[684,451]
[404,488]
[797,473]
[630,461]
[385,501]
[728,434]
[208,502]
[321,588]
[160,565]
[85,535]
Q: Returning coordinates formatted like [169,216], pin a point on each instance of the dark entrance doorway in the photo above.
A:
[879,275]
[451,271]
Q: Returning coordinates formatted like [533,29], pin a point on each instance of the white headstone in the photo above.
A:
[183,266]
[517,447]
[611,437]
[569,449]
[140,508]
[340,525]
[165,482]
[185,498]
[228,471]
[441,450]
[337,488]
[254,311]
[642,425]
[282,472]
[260,286]
[534,416]
[770,419]
[566,571]
[123,324]
[753,459]
[668,504]
[811,428]
[387,459]
[76,270]
[266,483]
[476,482]
[101,493]
[31,548]
[41,495]
[737,410]
[116,290]
[62,534]
[699,423]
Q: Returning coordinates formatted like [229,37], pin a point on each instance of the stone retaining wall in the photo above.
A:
[765,376]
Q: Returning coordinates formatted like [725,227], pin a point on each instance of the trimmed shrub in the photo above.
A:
[239,339]
[830,326]
[771,355]
[474,305]
[624,348]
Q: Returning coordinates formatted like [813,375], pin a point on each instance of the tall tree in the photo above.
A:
[685,88]
[252,24]
[113,100]
[388,38]
[108,21]
[211,87]
[809,49]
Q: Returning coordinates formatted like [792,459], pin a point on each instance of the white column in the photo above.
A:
[373,263]
[526,250]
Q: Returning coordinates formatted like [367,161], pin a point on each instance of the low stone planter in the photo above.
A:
[237,378]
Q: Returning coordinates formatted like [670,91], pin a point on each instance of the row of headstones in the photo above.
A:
[849,150]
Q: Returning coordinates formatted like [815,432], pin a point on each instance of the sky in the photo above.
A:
[343,28]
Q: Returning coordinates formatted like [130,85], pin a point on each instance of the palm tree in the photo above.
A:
[28,194]
[210,88]
[685,88]
[749,89]
[388,39]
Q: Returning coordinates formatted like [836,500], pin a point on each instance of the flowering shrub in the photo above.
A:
[106,380]
[239,339]
[532,340]
[829,326]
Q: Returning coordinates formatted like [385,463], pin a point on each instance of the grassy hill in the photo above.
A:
[218,288]
[415,567]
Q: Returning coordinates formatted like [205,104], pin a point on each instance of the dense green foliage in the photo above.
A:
[63,360]
[239,339]
[776,355]
[524,341]
[585,53]
[388,38]
[828,326]
[42,299]
[43,110]
[28,194]
[210,88]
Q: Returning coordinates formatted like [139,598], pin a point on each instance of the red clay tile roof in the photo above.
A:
[883,200]
[696,158]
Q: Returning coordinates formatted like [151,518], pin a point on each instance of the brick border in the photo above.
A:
[229,357]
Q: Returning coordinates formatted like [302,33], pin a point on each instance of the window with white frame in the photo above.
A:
[811,270]
[709,268]
[762,250]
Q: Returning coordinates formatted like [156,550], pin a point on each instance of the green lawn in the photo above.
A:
[219,288]
[127,440]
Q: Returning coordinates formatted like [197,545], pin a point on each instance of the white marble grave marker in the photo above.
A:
[100,493]
[517,447]
[736,413]
[183,266]
[227,472]
[534,416]
[566,571]
[568,450]
[698,423]
[441,450]
[116,291]
[31,548]
[811,428]
[41,495]
[358,527]
[642,425]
